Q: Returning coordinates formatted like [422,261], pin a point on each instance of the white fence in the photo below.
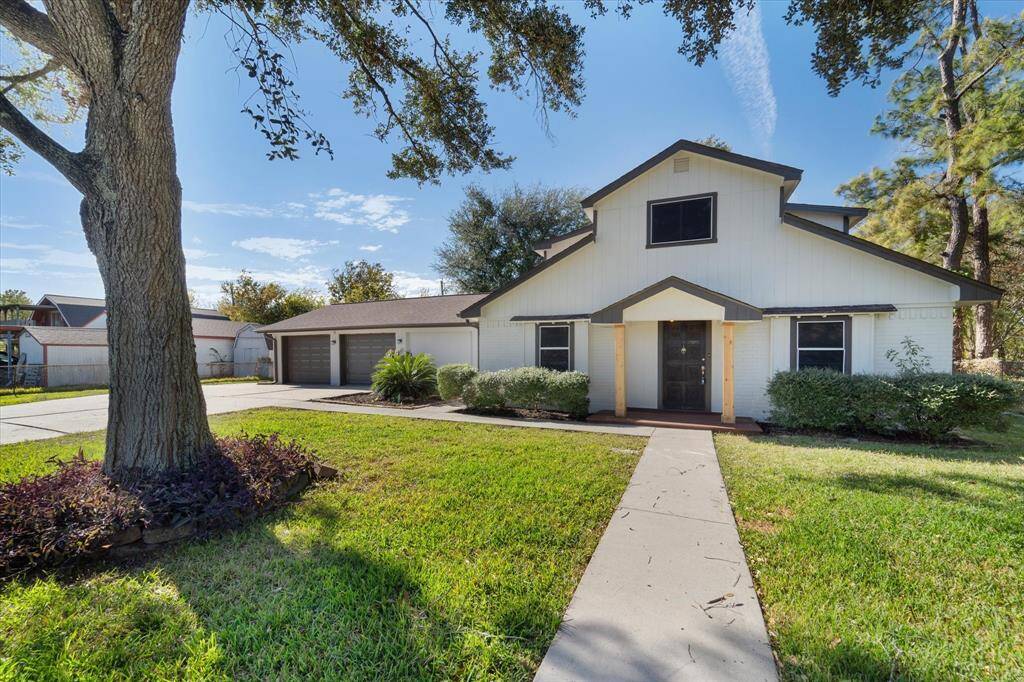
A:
[99,374]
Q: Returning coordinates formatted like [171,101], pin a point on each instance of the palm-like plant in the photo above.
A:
[402,377]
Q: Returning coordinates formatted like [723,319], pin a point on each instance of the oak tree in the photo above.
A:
[360,281]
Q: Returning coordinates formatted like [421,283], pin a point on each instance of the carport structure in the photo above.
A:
[340,344]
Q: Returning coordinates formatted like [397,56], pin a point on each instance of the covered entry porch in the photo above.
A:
[674,347]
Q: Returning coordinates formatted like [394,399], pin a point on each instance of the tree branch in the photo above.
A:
[32,26]
[17,79]
[984,72]
[70,164]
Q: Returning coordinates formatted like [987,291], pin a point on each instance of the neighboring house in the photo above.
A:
[78,355]
[77,311]
[695,282]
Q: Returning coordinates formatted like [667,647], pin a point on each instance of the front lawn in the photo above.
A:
[33,394]
[885,561]
[445,551]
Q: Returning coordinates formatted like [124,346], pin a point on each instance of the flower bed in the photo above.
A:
[79,513]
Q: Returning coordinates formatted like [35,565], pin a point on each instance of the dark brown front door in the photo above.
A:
[684,365]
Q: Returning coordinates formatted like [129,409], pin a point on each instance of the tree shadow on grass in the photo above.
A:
[977,452]
[283,608]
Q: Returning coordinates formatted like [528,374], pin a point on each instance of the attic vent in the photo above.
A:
[681,164]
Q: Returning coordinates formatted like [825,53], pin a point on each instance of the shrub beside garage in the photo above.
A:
[927,406]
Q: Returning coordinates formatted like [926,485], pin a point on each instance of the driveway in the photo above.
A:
[49,418]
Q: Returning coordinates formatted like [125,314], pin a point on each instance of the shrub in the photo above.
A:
[402,377]
[926,406]
[486,391]
[812,399]
[531,388]
[452,380]
[77,511]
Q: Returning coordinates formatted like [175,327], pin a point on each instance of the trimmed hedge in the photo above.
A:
[452,380]
[530,388]
[923,405]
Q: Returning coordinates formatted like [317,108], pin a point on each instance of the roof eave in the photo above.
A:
[787,173]
[475,309]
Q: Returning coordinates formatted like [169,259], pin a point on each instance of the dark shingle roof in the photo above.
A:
[84,336]
[425,311]
[68,336]
[79,311]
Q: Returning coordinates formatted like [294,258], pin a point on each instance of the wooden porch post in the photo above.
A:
[620,370]
[728,406]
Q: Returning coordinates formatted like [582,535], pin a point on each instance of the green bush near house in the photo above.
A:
[928,406]
[531,388]
[403,377]
[452,380]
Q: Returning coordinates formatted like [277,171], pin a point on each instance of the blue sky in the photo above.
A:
[294,221]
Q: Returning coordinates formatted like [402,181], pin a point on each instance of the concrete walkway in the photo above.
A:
[51,418]
[667,595]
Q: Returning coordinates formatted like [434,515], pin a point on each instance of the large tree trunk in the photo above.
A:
[984,315]
[131,214]
[953,181]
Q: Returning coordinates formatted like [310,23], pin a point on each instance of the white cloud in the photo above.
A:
[306,276]
[412,284]
[744,55]
[15,222]
[379,211]
[372,248]
[196,254]
[237,210]
[44,256]
[282,247]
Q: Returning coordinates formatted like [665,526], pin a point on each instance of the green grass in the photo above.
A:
[446,551]
[874,557]
[10,396]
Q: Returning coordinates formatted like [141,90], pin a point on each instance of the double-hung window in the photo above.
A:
[682,220]
[554,347]
[822,344]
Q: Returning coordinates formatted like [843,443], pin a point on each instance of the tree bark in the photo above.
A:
[125,55]
[954,191]
[984,314]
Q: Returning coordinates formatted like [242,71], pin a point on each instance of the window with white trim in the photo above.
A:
[554,347]
[821,344]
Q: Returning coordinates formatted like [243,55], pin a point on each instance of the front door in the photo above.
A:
[684,365]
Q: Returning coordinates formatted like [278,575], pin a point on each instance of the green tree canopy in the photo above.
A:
[492,236]
[360,281]
[247,300]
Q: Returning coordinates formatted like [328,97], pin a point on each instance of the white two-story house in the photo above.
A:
[696,281]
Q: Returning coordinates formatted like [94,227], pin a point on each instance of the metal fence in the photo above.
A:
[99,374]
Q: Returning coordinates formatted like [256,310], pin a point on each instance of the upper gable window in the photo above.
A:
[682,220]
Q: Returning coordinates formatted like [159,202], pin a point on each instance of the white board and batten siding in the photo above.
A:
[756,259]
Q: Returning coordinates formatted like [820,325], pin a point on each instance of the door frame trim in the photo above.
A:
[708,373]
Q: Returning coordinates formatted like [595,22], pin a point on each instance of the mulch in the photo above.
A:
[371,399]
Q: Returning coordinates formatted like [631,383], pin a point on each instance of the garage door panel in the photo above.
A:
[307,359]
[362,352]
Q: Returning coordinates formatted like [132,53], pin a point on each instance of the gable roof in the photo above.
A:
[77,311]
[787,172]
[971,290]
[68,336]
[735,310]
[424,311]
[474,309]
[548,243]
[97,336]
